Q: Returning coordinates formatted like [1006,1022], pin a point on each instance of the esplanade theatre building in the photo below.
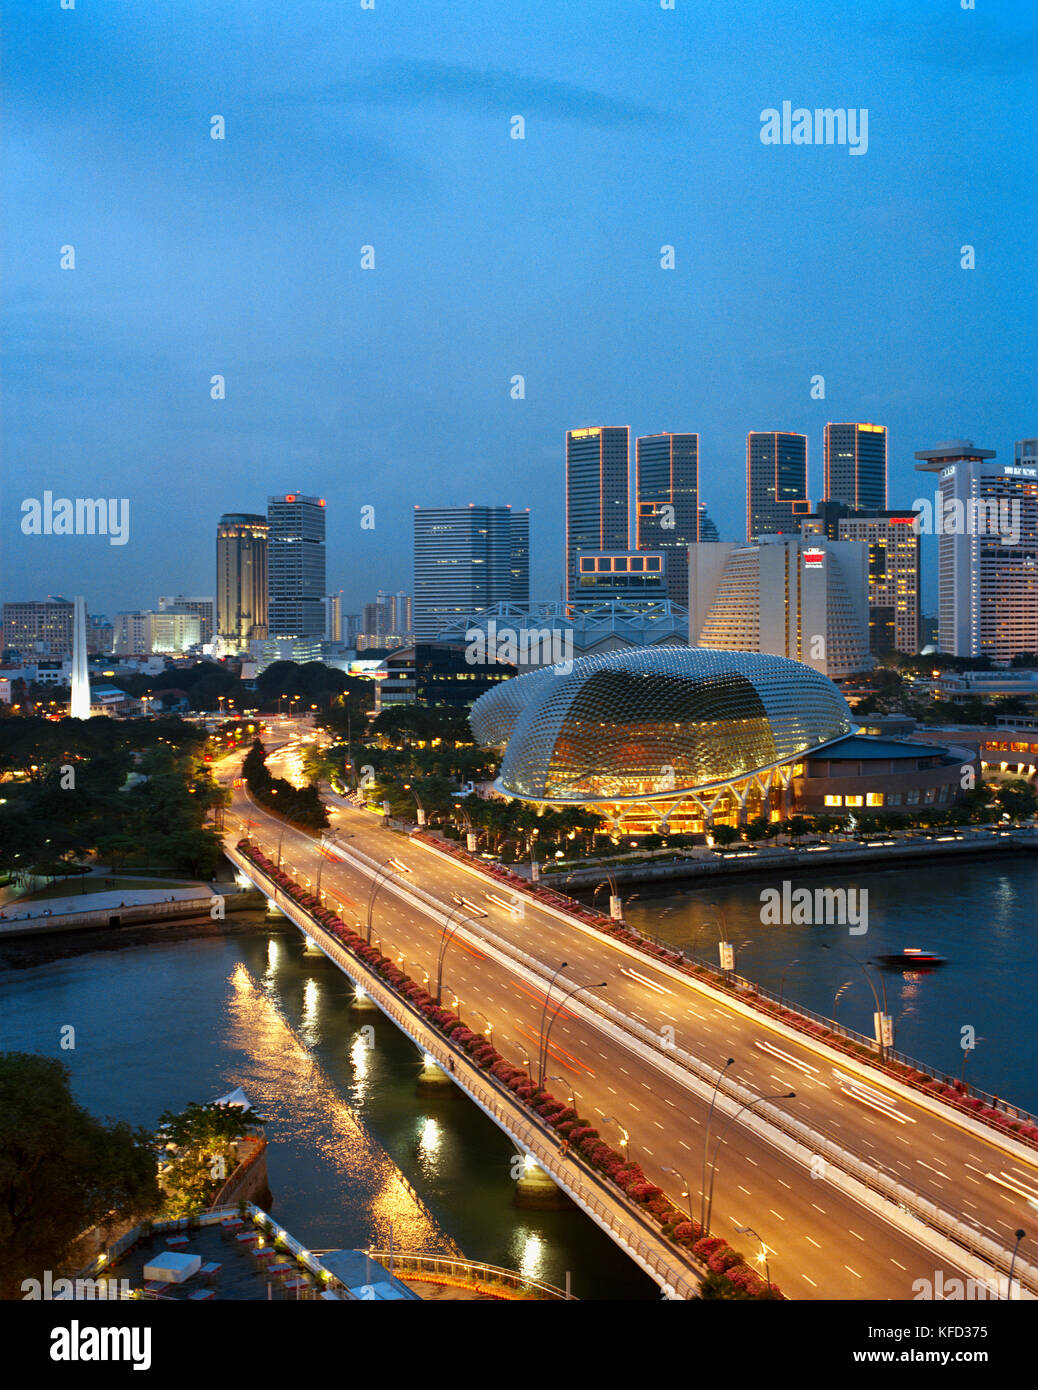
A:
[676,738]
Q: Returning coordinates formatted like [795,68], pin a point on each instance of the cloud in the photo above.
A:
[416,83]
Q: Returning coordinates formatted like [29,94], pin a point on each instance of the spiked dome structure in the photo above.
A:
[662,737]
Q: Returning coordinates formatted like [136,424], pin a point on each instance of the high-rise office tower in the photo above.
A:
[520,564]
[707,526]
[400,612]
[465,560]
[776,483]
[856,465]
[597,467]
[667,502]
[985,516]
[335,617]
[201,607]
[296,559]
[39,629]
[241,579]
[893,569]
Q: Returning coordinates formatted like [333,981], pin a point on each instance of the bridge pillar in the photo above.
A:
[432,1079]
[362,1000]
[536,1191]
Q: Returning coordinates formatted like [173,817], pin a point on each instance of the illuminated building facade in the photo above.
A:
[296,567]
[776,483]
[985,515]
[856,465]
[893,545]
[667,501]
[661,736]
[597,466]
[786,596]
[465,559]
[620,575]
[241,579]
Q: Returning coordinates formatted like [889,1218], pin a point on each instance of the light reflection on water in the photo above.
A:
[162,1024]
[304,1107]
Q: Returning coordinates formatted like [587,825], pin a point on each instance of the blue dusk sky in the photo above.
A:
[390,127]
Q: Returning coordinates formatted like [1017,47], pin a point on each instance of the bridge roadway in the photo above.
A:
[821,1243]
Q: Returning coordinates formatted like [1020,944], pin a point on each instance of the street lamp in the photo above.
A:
[625,1138]
[706,1140]
[521,1047]
[558,1009]
[883,1020]
[763,1256]
[376,885]
[544,1011]
[489,1029]
[568,1085]
[1020,1233]
[782,978]
[686,1191]
[750,1104]
[445,941]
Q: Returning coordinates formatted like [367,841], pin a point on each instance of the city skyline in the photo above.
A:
[241,260]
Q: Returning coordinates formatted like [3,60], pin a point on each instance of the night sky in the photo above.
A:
[389,127]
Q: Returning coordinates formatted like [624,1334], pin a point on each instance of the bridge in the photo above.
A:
[856,1187]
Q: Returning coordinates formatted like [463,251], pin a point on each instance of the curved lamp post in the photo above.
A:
[377,884]
[558,1009]
[706,1140]
[750,1104]
[880,1009]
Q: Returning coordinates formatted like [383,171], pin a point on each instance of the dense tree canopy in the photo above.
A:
[61,1170]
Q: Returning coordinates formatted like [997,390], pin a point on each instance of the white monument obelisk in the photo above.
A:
[80,705]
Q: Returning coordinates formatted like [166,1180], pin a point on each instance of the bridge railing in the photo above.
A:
[586,1189]
[415,1266]
[678,1272]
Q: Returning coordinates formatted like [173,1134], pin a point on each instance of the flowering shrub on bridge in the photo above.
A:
[730,1278]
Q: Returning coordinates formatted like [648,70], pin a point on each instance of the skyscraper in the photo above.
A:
[776,483]
[201,607]
[707,527]
[335,617]
[985,516]
[296,557]
[39,629]
[465,559]
[667,502]
[597,466]
[856,465]
[241,579]
[893,569]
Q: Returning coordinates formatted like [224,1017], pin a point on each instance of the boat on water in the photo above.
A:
[912,958]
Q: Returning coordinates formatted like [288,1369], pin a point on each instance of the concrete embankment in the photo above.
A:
[787,860]
[122,914]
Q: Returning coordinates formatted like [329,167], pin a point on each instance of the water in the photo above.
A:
[355,1154]
[980,914]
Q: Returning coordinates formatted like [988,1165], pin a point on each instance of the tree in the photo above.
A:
[199,1137]
[726,835]
[61,1170]
[1017,799]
